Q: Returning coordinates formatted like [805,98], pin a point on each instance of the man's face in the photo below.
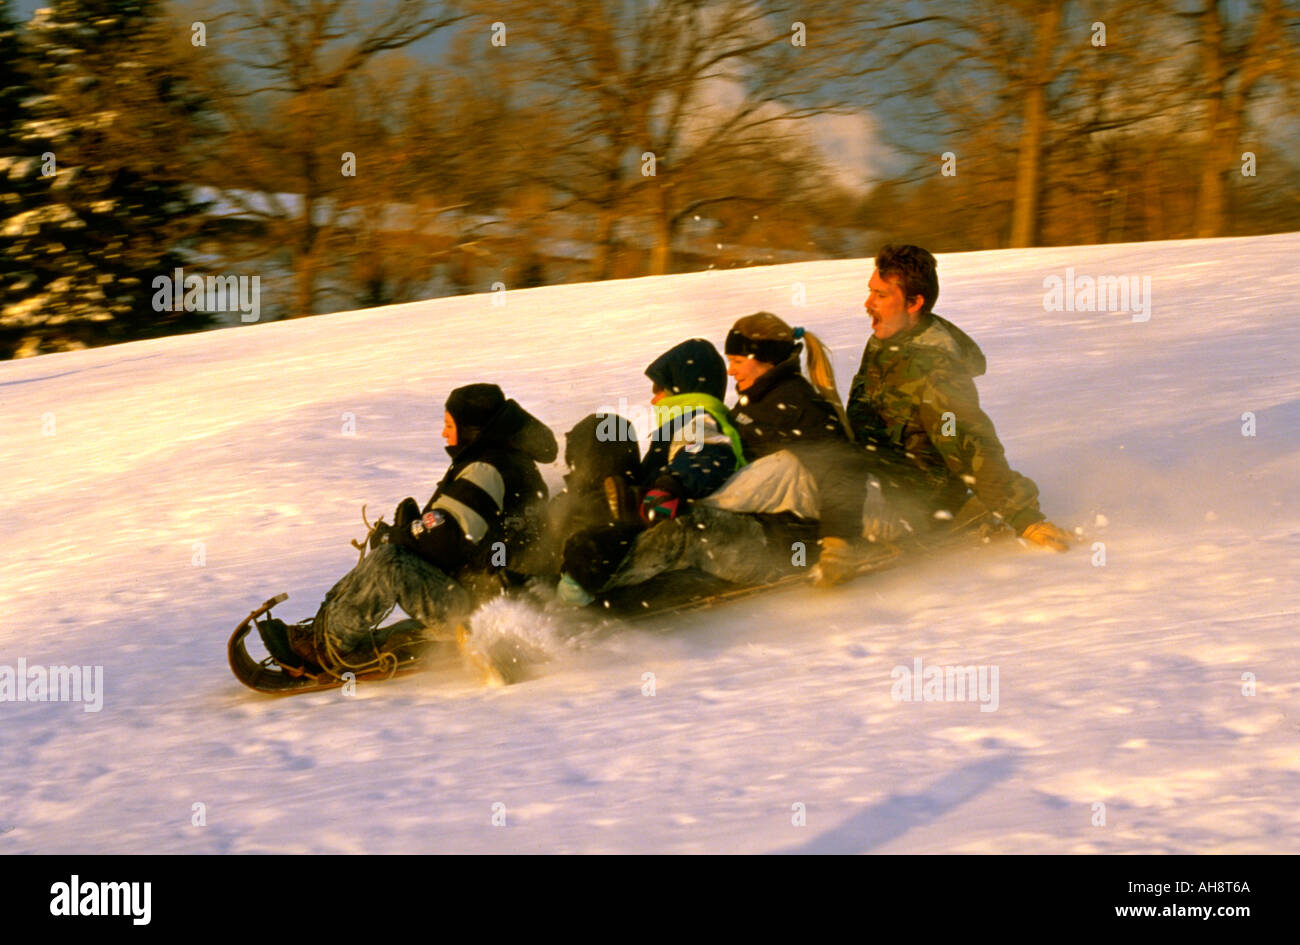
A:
[889,312]
[746,370]
[449,429]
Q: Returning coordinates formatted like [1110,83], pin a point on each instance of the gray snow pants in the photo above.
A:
[729,545]
[389,576]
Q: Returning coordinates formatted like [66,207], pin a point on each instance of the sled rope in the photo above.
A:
[338,665]
[364,544]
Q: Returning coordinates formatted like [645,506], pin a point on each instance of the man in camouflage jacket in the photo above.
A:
[913,406]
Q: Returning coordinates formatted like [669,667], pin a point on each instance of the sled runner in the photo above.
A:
[288,674]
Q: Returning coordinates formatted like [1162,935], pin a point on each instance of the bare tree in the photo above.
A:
[1240,52]
[1094,98]
[660,107]
[280,69]
[985,68]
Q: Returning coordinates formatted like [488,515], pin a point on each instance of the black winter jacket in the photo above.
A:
[599,447]
[691,454]
[782,410]
[492,493]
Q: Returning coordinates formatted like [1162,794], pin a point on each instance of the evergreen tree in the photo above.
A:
[20,184]
[109,117]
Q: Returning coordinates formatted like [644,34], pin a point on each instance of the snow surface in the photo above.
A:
[1120,684]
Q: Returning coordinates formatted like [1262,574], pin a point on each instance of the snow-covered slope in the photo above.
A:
[154,492]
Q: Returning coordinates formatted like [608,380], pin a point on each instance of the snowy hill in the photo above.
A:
[154,492]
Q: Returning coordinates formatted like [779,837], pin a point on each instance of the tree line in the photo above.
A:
[354,153]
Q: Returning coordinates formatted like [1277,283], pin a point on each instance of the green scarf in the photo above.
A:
[664,411]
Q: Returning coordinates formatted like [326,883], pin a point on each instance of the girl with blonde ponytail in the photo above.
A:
[763,357]
[779,409]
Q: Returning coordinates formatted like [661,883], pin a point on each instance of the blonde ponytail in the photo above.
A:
[821,373]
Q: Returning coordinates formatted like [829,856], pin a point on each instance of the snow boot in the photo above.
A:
[275,635]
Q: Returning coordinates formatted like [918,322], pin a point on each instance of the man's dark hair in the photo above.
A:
[914,268]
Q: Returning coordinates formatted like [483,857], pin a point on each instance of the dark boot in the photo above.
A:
[290,644]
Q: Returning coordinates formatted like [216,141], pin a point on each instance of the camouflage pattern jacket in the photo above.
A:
[914,406]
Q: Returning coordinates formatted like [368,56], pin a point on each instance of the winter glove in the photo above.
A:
[405,513]
[1047,535]
[837,563]
[379,534]
[399,533]
[659,505]
[409,526]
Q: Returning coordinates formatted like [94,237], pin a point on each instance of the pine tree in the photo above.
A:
[20,185]
[82,246]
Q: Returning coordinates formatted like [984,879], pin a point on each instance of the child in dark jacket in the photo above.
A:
[436,563]
[486,510]
[599,494]
[693,450]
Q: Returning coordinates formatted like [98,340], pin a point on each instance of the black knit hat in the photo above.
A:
[763,337]
[473,405]
[692,367]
